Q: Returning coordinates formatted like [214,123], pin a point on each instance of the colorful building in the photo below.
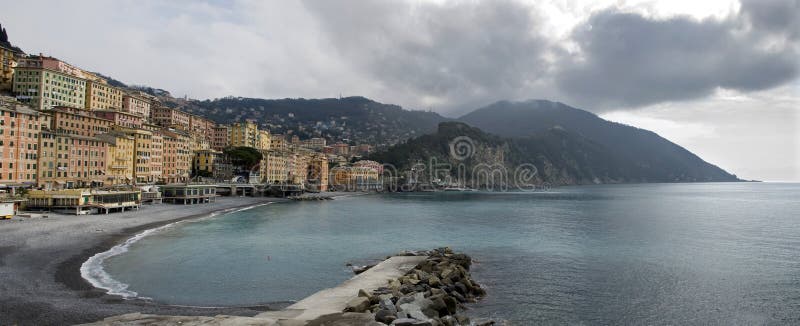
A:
[9,56]
[177,157]
[45,82]
[221,138]
[143,147]
[276,167]
[120,157]
[245,134]
[206,161]
[264,140]
[156,155]
[201,127]
[101,96]
[136,104]
[169,117]
[315,143]
[78,121]
[20,129]
[71,161]
[318,173]
[120,118]
[354,178]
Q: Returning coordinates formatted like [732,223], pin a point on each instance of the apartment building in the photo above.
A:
[44,82]
[136,104]
[170,118]
[20,129]
[101,96]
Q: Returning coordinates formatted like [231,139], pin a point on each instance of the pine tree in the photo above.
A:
[3,35]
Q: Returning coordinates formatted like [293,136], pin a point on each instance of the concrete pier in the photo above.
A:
[324,302]
[333,300]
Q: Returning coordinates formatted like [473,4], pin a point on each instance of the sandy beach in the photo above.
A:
[40,260]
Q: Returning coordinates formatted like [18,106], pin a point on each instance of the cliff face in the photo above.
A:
[459,153]
[591,148]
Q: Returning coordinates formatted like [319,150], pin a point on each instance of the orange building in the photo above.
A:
[71,161]
[221,138]
[20,127]
[170,118]
[177,157]
[79,122]
[199,126]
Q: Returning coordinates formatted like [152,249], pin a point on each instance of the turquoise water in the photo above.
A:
[623,254]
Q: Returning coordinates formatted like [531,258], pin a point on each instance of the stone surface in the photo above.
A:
[357,304]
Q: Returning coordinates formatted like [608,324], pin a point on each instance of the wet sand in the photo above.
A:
[40,260]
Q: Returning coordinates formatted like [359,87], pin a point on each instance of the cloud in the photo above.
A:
[628,60]
[441,54]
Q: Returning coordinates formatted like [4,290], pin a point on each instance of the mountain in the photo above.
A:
[354,119]
[614,152]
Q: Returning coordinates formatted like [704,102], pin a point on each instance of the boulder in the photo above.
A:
[404,322]
[412,310]
[434,281]
[357,304]
[451,303]
[437,303]
[461,288]
[385,316]
[458,296]
[387,304]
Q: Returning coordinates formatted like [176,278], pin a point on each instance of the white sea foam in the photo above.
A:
[92,269]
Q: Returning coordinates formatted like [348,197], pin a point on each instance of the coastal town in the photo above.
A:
[73,142]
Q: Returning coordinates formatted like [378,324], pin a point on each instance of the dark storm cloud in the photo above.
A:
[455,52]
[775,16]
[628,60]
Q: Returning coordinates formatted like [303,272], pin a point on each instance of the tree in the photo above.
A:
[243,156]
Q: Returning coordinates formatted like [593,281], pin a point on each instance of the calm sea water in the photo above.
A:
[625,254]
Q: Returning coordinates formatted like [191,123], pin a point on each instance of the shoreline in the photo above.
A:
[41,259]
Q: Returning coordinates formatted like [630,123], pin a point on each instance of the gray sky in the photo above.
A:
[720,78]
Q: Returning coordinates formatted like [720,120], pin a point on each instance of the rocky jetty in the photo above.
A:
[433,293]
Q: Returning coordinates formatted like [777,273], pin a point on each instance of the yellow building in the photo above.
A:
[120,157]
[354,178]
[71,161]
[101,96]
[9,57]
[245,134]
[156,155]
[44,82]
[205,161]
[278,142]
[264,140]
[143,146]
[276,167]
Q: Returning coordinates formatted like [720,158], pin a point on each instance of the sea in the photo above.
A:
[686,254]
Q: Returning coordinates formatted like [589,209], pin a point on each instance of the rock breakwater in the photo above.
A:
[433,293]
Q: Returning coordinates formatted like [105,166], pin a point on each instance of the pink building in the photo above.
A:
[135,104]
[124,119]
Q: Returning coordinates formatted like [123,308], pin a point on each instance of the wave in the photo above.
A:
[92,269]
